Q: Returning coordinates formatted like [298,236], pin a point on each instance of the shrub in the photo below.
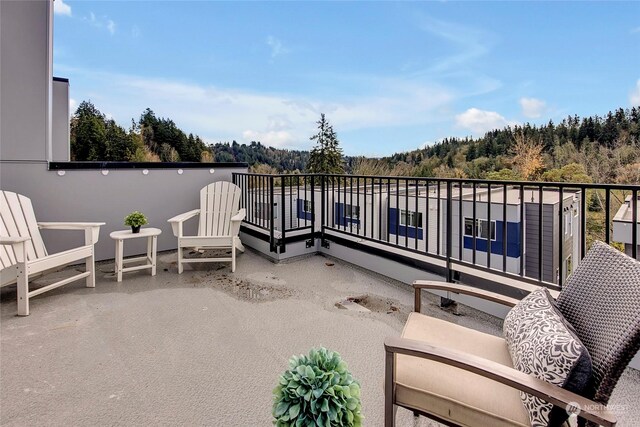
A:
[135,219]
[317,390]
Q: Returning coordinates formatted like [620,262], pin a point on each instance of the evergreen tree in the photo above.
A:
[326,156]
[88,133]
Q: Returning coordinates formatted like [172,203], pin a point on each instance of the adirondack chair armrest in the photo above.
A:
[176,221]
[495,371]
[419,285]
[18,243]
[91,229]
[8,240]
[239,216]
[236,220]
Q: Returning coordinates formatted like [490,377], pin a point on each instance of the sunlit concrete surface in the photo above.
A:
[206,347]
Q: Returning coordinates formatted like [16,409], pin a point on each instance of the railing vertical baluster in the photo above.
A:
[364,212]
[583,223]
[438,227]
[270,216]
[353,208]
[417,216]
[504,228]
[634,224]
[561,236]
[474,225]
[607,216]
[313,206]
[323,201]
[283,220]
[250,197]
[397,182]
[489,245]
[300,201]
[406,206]
[540,232]
[521,229]
[333,202]
[380,208]
[387,237]
[449,242]
[460,229]
[373,198]
[427,240]
[265,185]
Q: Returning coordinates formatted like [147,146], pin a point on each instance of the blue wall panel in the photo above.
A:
[513,240]
[403,231]
[300,211]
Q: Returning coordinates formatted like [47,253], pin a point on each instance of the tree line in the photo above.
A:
[589,149]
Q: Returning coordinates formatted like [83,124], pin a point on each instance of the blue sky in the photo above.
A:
[389,76]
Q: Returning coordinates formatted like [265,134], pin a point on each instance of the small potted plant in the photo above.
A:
[136,220]
[317,389]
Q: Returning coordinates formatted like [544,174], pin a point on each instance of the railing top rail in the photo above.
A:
[564,185]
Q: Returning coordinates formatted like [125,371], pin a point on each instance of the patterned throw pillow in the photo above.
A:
[543,344]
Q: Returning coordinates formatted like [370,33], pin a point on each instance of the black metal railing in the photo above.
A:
[274,205]
[532,231]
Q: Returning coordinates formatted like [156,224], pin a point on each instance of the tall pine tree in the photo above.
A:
[326,156]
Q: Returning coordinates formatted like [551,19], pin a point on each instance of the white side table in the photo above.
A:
[152,243]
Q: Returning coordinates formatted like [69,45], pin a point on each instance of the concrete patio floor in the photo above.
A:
[206,347]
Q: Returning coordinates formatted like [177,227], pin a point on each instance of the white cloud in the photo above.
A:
[101,22]
[634,96]
[277,48]
[481,121]
[635,30]
[61,8]
[111,26]
[279,119]
[532,108]
[278,139]
[73,104]
[468,44]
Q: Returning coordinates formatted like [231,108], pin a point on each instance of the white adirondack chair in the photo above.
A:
[23,255]
[219,224]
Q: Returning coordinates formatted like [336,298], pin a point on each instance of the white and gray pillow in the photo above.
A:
[543,344]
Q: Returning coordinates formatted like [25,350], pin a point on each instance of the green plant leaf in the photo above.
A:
[294,410]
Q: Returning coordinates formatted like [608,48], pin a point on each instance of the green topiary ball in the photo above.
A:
[317,390]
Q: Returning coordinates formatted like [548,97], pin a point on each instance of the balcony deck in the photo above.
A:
[206,347]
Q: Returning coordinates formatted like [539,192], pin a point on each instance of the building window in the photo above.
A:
[261,210]
[352,212]
[482,228]
[568,224]
[410,218]
[568,266]
[306,206]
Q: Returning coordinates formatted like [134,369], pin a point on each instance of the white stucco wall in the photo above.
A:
[60,121]
[25,79]
[88,195]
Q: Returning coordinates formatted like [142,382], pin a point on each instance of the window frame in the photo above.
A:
[478,228]
[351,210]
[406,214]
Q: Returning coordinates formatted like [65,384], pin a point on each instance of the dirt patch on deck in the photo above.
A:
[245,290]
[379,304]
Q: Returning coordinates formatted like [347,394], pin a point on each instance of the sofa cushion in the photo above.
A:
[543,344]
[452,394]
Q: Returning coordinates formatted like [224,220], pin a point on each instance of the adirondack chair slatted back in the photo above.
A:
[218,203]
[17,219]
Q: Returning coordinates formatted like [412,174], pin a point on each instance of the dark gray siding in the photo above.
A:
[549,241]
